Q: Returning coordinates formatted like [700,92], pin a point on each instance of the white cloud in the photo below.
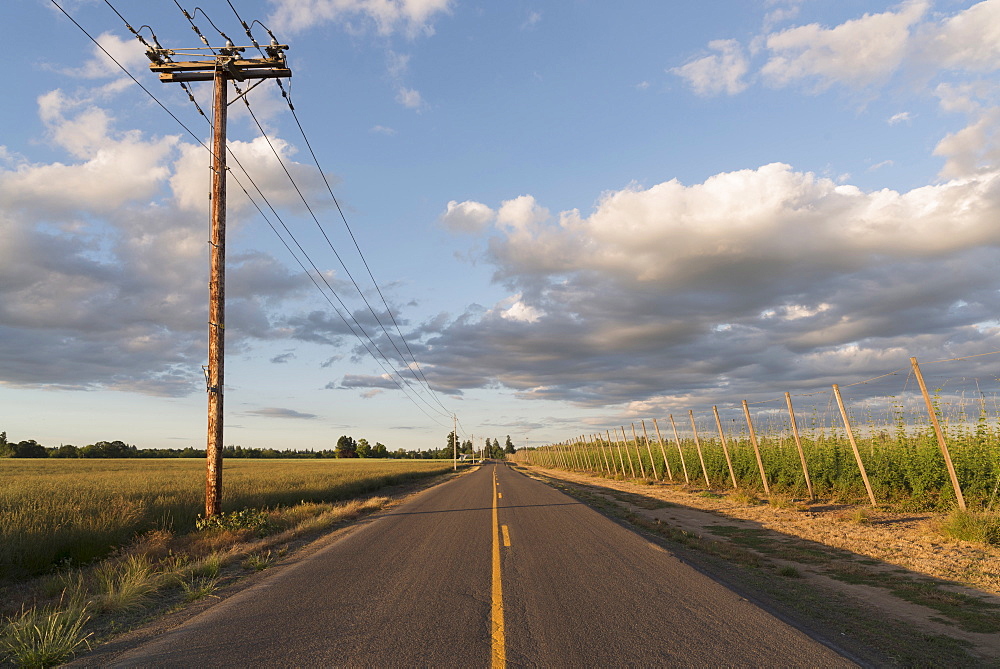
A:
[521,214]
[411,17]
[514,309]
[276,412]
[409,98]
[468,216]
[128,52]
[672,290]
[974,149]
[880,165]
[383,130]
[900,118]
[718,73]
[102,270]
[860,52]
[532,20]
[968,41]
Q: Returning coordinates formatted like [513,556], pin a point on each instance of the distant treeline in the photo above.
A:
[119,449]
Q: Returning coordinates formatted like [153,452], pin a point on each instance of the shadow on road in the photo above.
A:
[879,610]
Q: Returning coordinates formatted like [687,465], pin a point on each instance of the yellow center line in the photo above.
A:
[506,536]
[499,642]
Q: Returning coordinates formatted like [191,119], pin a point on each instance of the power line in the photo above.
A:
[343,217]
[200,142]
[420,383]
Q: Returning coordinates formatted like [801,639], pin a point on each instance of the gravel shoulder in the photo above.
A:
[893,565]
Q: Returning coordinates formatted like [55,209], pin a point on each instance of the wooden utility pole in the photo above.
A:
[228,64]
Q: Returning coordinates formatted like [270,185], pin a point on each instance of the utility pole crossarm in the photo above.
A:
[235,66]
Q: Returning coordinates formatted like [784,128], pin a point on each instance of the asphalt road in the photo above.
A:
[435,583]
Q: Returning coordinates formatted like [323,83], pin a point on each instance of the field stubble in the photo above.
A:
[165,558]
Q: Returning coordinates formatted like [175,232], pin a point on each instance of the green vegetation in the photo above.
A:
[905,465]
[45,637]
[155,572]
[70,512]
[972,526]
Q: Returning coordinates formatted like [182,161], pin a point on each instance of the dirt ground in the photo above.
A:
[899,564]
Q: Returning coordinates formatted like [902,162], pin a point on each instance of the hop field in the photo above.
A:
[70,512]
[896,444]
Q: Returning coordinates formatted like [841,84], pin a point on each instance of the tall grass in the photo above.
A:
[69,512]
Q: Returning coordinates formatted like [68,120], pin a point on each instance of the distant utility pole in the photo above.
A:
[454,442]
[228,64]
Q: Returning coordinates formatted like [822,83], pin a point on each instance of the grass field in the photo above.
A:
[69,512]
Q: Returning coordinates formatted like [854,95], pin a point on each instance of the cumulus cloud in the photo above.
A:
[754,280]
[129,53]
[859,52]
[410,17]
[968,41]
[722,72]
[103,267]
[468,216]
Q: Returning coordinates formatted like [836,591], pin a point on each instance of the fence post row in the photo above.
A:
[577,453]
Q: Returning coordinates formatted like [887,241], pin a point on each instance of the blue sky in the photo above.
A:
[581,213]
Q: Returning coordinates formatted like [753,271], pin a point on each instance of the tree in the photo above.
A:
[108,449]
[364,449]
[449,450]
[65,451]
[379,450]
[26,449]
[509,446]
[347,447]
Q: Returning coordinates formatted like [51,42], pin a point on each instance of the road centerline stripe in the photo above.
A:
[499,649]
[506,536]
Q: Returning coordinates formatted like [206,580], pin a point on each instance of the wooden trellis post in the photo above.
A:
[677,440]
[631,465]
[798,445]
[942,444]
[697,445]
[756,449]
[621,459]
[638,453]
[854,444]
[645,436]
[725,447]
[663,450]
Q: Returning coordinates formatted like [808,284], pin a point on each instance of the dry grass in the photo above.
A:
[743,497]
[70,512]
[981,527]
